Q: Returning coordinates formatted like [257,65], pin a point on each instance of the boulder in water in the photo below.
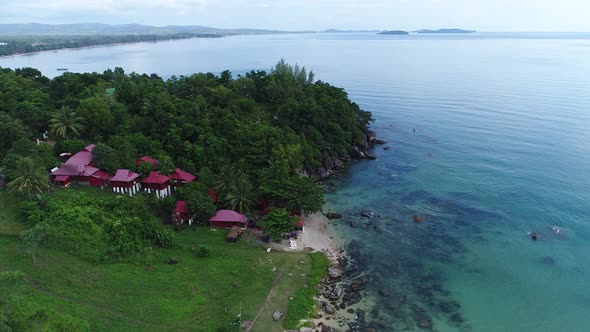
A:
[333,215]
[418,218]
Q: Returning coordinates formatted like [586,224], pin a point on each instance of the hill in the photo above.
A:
[121,29]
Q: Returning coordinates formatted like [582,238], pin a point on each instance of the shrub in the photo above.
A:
[165,238]
[11,276]
[204,250]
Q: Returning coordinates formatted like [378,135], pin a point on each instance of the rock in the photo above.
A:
[370,156]
[360,314]
[548,260]
[368,214]
[342,306]
[323,173]
[334,272]
[338,164]
[358,284]
[277,315]
[418,218]
[350,311]
[379,142]
[387,148]
[333,215]
[329,310]
[172,261]
[357,153]
[305,329]
[425,323]
[457,318]
[328,163]
[336,293]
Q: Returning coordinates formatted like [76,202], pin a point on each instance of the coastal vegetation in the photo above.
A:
[75,257]
[22,44]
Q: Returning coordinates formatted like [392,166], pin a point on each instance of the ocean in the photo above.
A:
[488,140]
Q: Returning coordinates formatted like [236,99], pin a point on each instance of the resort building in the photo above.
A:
[158,184]
[79,168]
[228,219]
[126,182]
[180,177]
[182,213]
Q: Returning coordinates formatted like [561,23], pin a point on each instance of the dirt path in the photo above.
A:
[275,282]
[39,287]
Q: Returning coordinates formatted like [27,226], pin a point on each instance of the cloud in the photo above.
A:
[496,15]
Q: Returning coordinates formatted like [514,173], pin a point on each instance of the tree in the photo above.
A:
[106,158]
[227,178]
[197,197]
[66,122]
[241,196]
[288,81]
[32,238]
[27,177]
[278,222]
[11,130]
[295,193]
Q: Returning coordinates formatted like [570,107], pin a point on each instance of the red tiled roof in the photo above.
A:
[146,159]
[90,147]
[100,174]
[62,178]
[156,178]
[124,175]
[181,207]
[181,175]
[75,165]
[229,216]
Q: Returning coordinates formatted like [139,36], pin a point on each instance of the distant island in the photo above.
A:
[445,31]
[393,32]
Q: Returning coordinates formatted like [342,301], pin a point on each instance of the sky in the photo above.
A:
[481,15]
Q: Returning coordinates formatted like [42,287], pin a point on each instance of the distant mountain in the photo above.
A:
[394,32]
[444,31]
[121,29]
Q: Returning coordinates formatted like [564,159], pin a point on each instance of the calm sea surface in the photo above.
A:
[489,137]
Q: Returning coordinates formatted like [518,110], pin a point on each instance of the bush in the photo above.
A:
[204,250]
[165,238]
[11,276]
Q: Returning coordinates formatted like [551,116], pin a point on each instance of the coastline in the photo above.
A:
[98,45]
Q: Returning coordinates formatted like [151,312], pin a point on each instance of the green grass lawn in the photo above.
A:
[146,293]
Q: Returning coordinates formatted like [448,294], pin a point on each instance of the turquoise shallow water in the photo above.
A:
[489,140]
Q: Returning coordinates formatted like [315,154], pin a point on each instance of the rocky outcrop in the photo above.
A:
[333,215]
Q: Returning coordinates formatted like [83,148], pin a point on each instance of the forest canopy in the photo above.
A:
[272,126]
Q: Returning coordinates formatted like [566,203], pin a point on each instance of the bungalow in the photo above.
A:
[146,159]
[79,168]
[157,183]
[182,213]
[180,177]
[227,219]
[125,182]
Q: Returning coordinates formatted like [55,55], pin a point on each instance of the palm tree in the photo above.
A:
[27,177]
[65,121]
[241,196]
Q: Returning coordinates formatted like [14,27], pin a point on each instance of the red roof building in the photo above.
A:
[125,182]
[300,221]
[227,219]
[146,159]
[182,213]
[158,184]
[180,177]
[79,168]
